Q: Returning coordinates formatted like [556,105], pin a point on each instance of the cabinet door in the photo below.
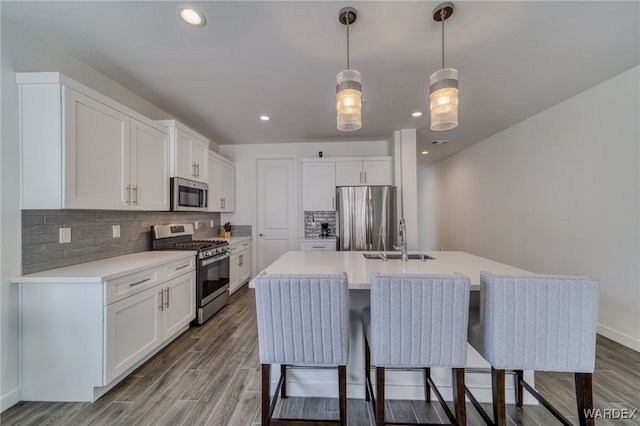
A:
[184,165]
[200,159]
[245,267]
[215,200]
[133,330]
[349,173]
[319,186]
[149,168]
[179,306]
[234,272]
[228,186]
[96,153]
[377,172]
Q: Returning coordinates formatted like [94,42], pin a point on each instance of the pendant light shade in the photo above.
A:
[443,99]
[443,84]
[349,100]
[348,85]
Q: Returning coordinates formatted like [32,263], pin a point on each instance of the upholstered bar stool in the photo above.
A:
[539,323]
[303,320]
[417,322]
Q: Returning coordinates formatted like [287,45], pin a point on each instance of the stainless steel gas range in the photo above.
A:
[212,267]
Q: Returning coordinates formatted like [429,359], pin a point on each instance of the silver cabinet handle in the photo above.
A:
[128,189]
[181,267]
[194,170]
[197,169]
[166,304]
[139,282]
[241,260]
[221,202]
[135,192]
[365,177]
[161,300]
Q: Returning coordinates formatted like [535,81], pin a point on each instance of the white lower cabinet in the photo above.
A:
[178,304]
[239,265]
[81,336]
[133,331]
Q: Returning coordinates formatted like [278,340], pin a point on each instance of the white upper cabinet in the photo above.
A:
[149,176]
[189,152]
[365,171]
[319,185]
[222,184]
[82,150]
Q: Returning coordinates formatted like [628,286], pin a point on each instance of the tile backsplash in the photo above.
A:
[92,234]
[313,220]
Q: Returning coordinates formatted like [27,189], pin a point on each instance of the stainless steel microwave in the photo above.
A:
[188,195]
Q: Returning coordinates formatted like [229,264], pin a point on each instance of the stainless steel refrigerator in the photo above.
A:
[366,218]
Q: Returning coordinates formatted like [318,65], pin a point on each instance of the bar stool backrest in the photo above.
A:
[539,322]
[419,320]
[303,319]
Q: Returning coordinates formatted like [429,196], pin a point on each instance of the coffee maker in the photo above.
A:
[324,229]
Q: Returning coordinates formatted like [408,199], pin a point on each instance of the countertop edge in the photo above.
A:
[105,269]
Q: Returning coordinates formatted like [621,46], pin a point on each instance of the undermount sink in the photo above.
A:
[396,255]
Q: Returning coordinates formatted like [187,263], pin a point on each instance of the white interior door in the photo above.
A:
[276,209]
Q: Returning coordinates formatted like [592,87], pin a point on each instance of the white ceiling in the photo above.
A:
[281,58]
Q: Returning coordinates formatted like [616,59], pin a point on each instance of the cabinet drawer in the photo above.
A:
[177,268]
[119,288]
[318,245]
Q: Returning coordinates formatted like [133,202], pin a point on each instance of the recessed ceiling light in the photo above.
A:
[424,152]
[417,114]
[192,16]
[265,118]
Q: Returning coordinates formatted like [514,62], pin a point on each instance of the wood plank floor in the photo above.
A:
[210,376]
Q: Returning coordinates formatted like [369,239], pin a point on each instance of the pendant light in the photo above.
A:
[348,87]
[443,84]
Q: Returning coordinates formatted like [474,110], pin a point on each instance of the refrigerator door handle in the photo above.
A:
[369,223]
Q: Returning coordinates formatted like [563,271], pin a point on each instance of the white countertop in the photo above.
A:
[231,240]
[359,269]
[106,269]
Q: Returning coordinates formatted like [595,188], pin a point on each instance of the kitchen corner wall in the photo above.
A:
[92,234]
[557,193]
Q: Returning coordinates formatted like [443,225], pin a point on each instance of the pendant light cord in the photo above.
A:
[348,18]
[442,18]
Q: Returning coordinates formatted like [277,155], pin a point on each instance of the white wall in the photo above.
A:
[22,52]
[556,193]
[245,157]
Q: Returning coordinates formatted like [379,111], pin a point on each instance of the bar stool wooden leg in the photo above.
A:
[427,387]
[342,393]
[584,397]
[457,383]
[283,373]
[379,396]
[367,369]
[497,386]
[517,387]
[266,393]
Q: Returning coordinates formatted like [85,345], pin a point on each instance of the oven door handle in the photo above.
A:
[211,260]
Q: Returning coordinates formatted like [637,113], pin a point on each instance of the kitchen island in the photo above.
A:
[400,384]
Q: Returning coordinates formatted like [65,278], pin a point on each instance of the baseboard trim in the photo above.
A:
[616,336]
[9,400]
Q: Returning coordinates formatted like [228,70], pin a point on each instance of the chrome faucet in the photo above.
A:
[403,235]
[383,255]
